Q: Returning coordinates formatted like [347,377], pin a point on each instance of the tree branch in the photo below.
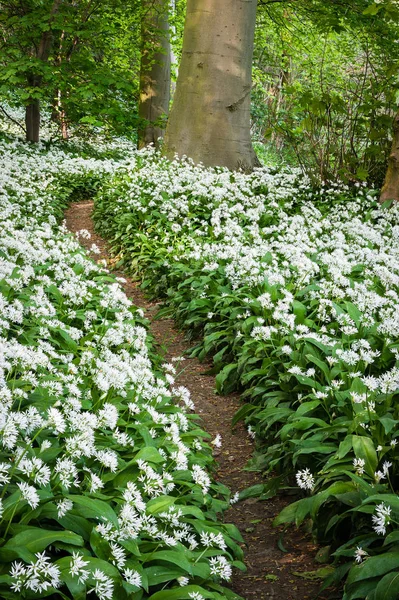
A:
[11,119]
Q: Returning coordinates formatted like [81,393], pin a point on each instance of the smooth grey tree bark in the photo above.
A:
[210,116]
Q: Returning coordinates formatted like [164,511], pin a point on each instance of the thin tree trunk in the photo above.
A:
[32,121]
[390,190]
[59,114]
[32,111]
[174,63]
[155,68]
[283,81]
[210,116]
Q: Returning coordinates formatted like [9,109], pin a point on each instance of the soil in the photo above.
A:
[271,573]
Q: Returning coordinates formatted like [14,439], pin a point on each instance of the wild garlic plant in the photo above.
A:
[296,294]
[105,478]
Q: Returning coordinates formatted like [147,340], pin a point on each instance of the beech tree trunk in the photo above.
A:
[390,190]
[210,116]
[154,71]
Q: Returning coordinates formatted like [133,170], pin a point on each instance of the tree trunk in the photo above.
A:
[174,63]
[32,111]
[390,190]
[32,120]
[210,116]
[154,71]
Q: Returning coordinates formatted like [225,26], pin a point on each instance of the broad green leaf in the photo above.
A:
[388,423]
[242,412]
[374,566]
[388,587]
[363,447]
[160,574]
[322,366]
[306,407]
[160,504]
[91,508]
[171,556]
[345,446]
[27,543]
[181,593]
[149,454]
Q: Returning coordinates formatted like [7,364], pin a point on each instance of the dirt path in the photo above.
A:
[271,573]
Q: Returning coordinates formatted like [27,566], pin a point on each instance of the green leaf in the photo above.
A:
[91,508]
[299,310]
[70,343]
[254,491]
[306,407]
[295,512]
[372,10]
[242,412]
[374,566]
[363,447]
[322,366]
[181,593]
[226,379]
[149,454]
[388,423]
[26,543]
[345,446]
[388,587]
[160,504]
[171,556]
[160,574]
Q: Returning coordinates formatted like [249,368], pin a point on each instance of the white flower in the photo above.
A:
[385,467]
[63,506]
[104,587]
[295,370]
[77,567]
[360,554]
[305,479]
[118,555]
[359,464]
[201,478]
[183,581]
[235,498]
[37,577]
[29,493]
[251,432]
[286,349]
[132,577]
[220,567]
[217,442]
[382,518]
[378,475]
[4,475]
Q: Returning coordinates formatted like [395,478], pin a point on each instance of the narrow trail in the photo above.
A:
[271,572]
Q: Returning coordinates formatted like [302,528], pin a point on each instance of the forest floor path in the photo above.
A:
[271,573]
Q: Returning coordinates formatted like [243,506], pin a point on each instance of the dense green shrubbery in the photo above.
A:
[295,292]
[104,475]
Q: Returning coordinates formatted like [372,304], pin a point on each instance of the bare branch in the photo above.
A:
[11,119]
